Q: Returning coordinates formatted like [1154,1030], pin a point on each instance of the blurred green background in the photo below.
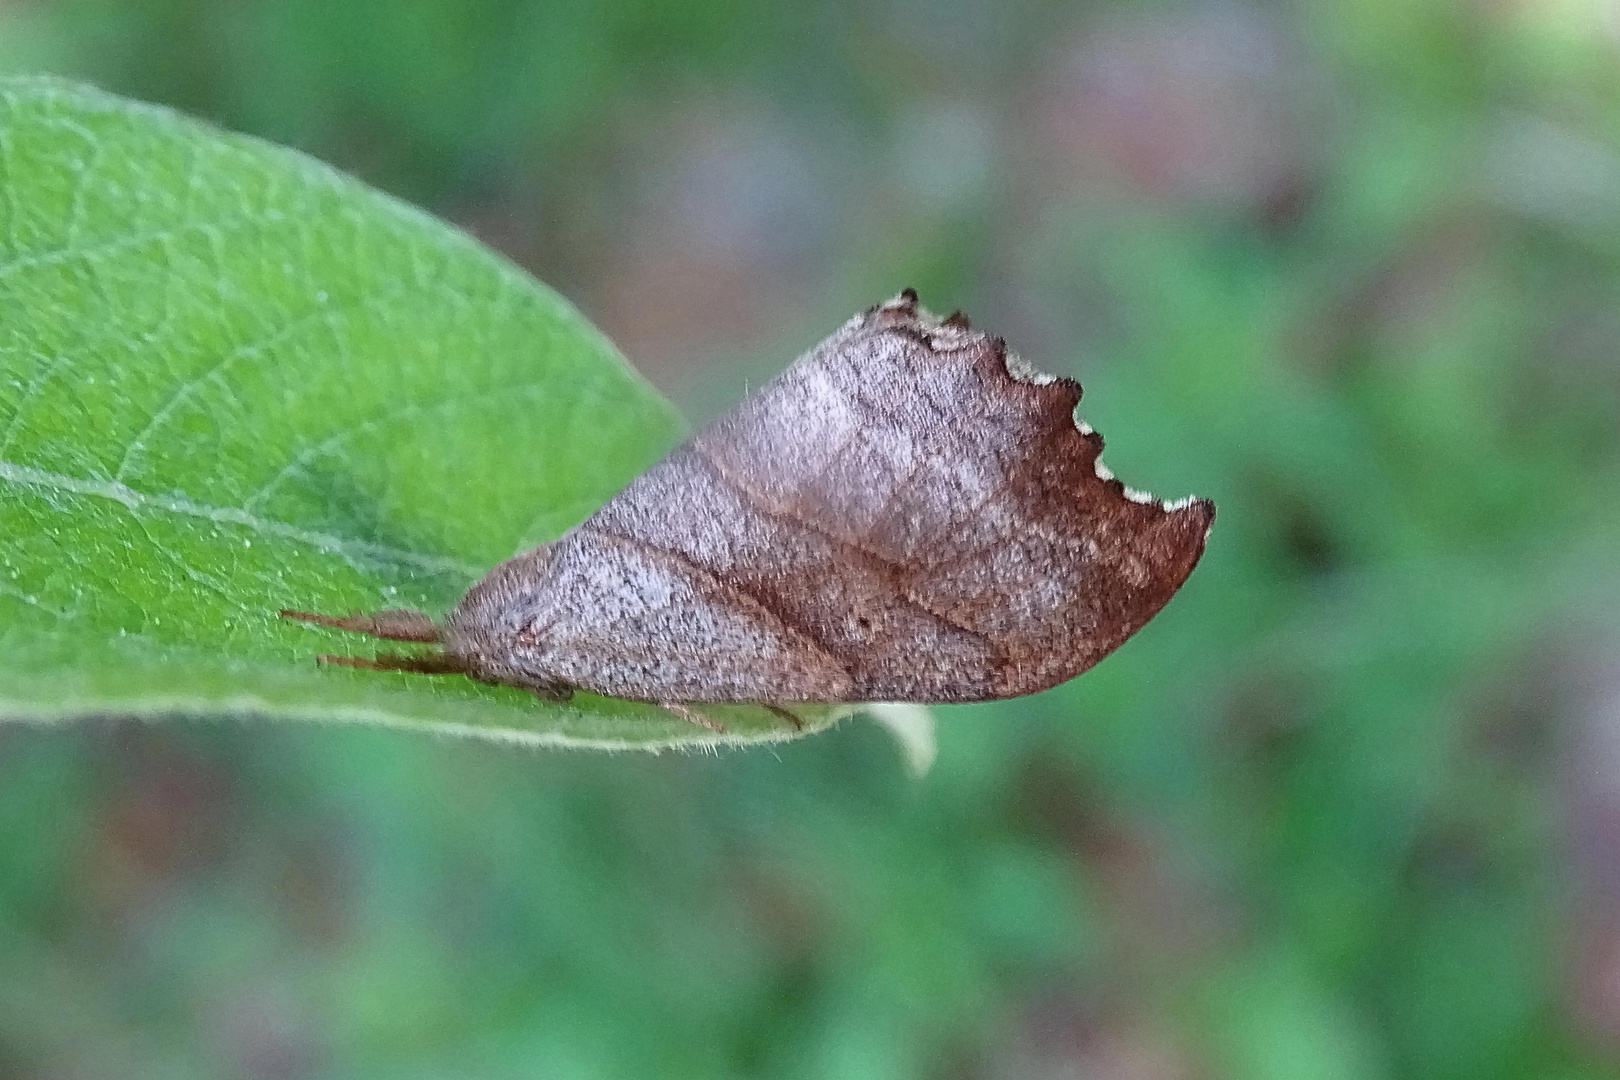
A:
[1350,807]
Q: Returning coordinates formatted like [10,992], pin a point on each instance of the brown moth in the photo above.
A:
[908,513]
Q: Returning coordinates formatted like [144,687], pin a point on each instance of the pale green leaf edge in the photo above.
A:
[248,708]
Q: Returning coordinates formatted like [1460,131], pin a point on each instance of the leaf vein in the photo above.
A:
[295,467]
[225,223]
[351,549]
[286,332]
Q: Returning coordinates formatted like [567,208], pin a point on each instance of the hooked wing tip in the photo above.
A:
[1202,511]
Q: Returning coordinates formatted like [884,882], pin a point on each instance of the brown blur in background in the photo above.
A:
[1350,808]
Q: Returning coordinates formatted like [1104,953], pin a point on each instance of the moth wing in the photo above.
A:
[905,514]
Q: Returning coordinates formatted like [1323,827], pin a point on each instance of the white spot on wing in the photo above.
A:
[1020,369]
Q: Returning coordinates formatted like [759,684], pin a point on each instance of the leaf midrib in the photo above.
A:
[183,506]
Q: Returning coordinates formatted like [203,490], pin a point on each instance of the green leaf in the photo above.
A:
[234,380]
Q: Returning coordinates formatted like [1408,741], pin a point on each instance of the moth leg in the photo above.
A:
[395,624]
[786,714]
[437,664]
[686,712]
[560,691]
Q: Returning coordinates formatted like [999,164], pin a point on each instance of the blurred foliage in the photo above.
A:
[1349,807]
